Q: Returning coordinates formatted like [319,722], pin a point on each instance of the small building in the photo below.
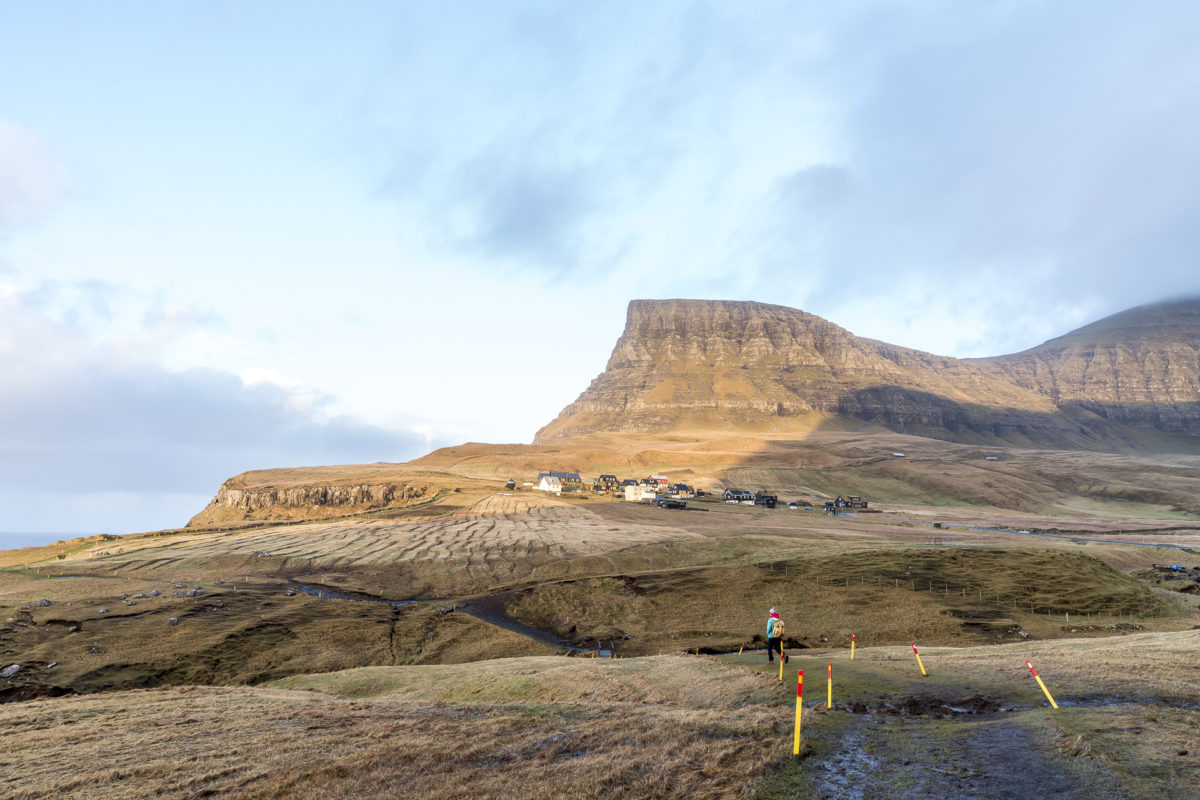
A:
[680,490]
[766,500]
[510,484]
[661,481]
[549,483]
[640,494]
[568,481]
[854,501]
[738,496]
[605,484]
[630,482]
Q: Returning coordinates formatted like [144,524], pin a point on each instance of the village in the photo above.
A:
[660,491]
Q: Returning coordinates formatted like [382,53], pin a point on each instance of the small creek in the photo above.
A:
[488,608]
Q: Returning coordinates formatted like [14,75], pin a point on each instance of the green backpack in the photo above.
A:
[777,629]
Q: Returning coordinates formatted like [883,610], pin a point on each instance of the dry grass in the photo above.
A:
[276,743]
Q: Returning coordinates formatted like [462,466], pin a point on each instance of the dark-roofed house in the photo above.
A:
[605,484]
[559,482]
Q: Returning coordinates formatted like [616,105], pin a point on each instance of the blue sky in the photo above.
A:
[244,235]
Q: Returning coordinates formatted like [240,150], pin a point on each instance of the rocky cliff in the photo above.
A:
[260,496]
[700,364]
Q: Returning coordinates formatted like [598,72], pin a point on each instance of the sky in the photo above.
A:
[240,235]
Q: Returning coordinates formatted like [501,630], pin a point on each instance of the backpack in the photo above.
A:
[777,629]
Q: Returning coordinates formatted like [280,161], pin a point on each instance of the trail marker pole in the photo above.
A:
[829,697]
[1038,678]
[919,664]
[740,649]
[799,698]
[781,663]
[852,647]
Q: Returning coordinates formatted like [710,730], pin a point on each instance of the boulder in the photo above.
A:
[10,670]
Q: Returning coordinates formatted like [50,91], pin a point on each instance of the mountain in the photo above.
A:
[1129,381]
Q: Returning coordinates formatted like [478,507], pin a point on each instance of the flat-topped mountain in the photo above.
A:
[1131,380]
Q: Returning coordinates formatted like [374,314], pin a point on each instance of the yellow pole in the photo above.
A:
[852,647]
[781,663]
[918,655]
[829,699]
[740,649]
[1038,678]
[799,698]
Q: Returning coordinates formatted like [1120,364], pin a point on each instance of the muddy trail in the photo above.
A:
[998,756]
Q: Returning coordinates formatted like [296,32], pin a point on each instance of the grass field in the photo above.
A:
[204,665]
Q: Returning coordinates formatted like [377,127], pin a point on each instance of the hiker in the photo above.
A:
[775,637]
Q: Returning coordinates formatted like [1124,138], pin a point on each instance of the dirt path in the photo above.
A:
[1002,756]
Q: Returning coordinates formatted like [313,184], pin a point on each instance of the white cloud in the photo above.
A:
[84,418]
[31,179]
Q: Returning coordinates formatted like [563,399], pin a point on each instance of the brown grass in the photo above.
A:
[277,743]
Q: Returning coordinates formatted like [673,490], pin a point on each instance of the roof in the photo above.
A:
[562,476]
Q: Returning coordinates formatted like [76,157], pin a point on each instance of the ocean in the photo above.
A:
[11,540]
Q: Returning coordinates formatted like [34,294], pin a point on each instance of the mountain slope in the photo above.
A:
[705,364]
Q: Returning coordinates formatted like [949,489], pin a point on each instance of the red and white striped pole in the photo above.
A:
[919,664]
[1038,678]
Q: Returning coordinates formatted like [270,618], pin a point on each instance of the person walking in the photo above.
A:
[775,637]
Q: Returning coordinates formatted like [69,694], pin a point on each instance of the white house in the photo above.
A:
[549,483]
[640,494]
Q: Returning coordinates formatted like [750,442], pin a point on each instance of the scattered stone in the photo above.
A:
[131,602]
[173,621]
[73,629]
[194,592]
[138,596]
[1024,635]
[153,593]
[25,606]
[102,611]
[123,597]
[42,603]
[177,586]
[218,582]
[94,650]
[290,592]
[52,665]
[1182,753]
[177,595]
[9,671]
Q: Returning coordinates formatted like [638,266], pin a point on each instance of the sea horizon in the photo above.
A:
[14,540]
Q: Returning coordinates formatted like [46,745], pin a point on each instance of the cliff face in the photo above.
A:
[1139,367]
[701,364]
[236,502]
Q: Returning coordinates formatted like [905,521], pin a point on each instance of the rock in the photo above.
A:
[52,665]
[153,593]
[757,363]
[9,671]
[173,621]
[1182,753]
[42,603]
[94,650]
[102,611]
[123,597]
[177,595]
[290,592]
[193,592]
[131,602]
[73,629]
[138,596]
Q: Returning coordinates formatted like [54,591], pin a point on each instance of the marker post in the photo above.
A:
[919,664]
[740,649]
[852,647]
[829,699]
[781,663]
[1038,678]
[799,698]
